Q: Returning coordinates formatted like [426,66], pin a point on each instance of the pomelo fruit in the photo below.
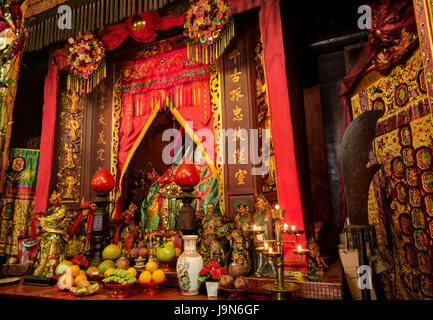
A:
[62,267]
[165,252]
[111,252]
[104,265]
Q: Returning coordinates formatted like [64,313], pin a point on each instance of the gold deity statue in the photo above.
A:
[54,226]
[70,156]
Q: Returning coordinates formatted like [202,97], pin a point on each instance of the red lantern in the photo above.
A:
[187,175]
[102,181]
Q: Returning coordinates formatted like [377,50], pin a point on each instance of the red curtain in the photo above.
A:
[289,197]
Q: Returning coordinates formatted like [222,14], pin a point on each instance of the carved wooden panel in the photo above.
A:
[69,148]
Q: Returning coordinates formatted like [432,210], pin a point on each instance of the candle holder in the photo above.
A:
[301,252]
[280,288]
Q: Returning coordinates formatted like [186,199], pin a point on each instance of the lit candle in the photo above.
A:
[270,250]
[277,207]
[254,227]
[285,226]
[266,246]
[299,248]
[293,227]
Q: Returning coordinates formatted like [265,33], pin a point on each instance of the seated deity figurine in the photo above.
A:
[211,248]
[263,220]
[54,226]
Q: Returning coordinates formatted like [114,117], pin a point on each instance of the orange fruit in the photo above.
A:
[145,277]
[158,275]
[108,271]
[178,252]
[75,270]
[151,266]
[79,278]
[171,243]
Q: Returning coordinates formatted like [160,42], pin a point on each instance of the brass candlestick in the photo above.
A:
[275,252]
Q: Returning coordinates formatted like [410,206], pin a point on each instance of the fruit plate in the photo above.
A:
[84,294]
[150,287]
[236,293]
[8,281]
[120,291]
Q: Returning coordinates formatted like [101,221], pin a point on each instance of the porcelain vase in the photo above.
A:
[188,266]
[212,288]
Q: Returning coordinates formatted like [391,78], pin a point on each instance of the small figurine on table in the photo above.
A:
[54,225]
[315,263]
[127,232]
[239,239]
[211,248]
[81,230]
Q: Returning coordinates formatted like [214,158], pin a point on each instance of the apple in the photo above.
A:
[165,252]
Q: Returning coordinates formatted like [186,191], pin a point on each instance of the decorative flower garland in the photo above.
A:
[209,23]
[86,63]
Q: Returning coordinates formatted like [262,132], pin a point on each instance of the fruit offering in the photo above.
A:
[235,278]
[93,271]
[119,276]
[156,275]
[166,252]
[111,252]
[62,267]
[85,287]
[106,264]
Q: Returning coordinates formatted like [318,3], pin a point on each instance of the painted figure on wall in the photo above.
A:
[54,226]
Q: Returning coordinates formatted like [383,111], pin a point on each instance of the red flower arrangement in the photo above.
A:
[212,272]
[80,261]
[205,19]
[85,62]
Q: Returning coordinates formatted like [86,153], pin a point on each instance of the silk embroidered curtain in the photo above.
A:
[18,199]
